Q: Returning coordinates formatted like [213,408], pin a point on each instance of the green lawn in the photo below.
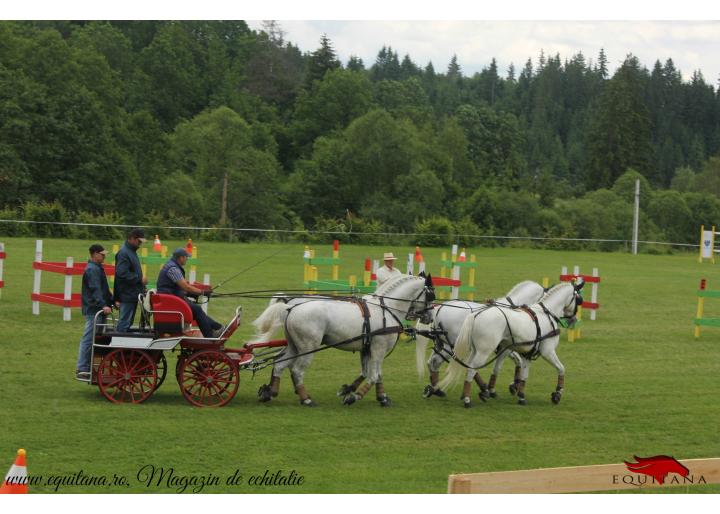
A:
[637,383]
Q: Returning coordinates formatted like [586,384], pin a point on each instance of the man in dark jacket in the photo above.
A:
[129,280]
[95,297]
[171,280]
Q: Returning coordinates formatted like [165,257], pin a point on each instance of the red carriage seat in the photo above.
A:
[169,313]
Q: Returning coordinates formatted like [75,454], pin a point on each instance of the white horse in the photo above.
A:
[371,324]
[529,331]
[448,318]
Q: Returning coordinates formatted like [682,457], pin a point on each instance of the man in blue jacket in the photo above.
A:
[171,280]
[95,297]
[129,280]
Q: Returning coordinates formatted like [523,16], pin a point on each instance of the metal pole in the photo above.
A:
[636,217]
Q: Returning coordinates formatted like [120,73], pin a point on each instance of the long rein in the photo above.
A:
[365,335]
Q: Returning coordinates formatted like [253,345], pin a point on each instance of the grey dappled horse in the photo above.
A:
[448,318]
[371,324]
[530,332]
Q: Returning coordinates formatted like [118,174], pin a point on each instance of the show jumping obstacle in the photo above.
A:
[453,283]
[67,299]
[2,261]
[313,282]
[699,320]
[448,282]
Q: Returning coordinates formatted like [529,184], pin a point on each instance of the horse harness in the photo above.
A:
[534,352]
[367,334]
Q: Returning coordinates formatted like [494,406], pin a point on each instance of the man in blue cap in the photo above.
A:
[171,280]
[129,279]
[95,297]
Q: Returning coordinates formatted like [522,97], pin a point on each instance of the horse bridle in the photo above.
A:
[429,292]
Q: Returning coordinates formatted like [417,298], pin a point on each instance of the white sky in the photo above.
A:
[692,44]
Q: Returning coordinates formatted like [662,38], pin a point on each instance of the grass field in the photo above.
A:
[637,383]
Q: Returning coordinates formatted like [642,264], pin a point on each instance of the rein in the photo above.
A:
[531,354]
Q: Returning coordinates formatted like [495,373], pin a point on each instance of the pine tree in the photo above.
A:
[602,64]
[511,73]
[321,60]
[454,71]
[355,64]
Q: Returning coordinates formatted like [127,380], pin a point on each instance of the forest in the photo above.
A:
[212,124]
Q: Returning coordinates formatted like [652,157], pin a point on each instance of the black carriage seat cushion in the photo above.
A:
[171,321]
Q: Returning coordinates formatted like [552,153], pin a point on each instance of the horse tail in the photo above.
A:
[463,350]
[421,344]
[269,322]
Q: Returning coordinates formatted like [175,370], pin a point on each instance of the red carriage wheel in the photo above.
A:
[208,378]
[127,376]
[161,365]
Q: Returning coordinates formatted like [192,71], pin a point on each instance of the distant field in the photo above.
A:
[637,383]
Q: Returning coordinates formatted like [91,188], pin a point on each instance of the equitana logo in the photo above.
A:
[655,470]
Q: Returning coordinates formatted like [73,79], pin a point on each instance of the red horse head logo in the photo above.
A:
[657,467]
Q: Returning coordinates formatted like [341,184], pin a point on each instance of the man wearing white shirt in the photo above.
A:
[387,271]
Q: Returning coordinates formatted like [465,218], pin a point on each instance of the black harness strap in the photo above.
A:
[534,351]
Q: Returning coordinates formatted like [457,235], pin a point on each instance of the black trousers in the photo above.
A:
[205,323]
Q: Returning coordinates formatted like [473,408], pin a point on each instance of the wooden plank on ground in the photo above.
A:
[606,477]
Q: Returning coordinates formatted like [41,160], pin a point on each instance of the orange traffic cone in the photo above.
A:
[418,255]
[462,256]
[189,246]
[16,479]
[157,245]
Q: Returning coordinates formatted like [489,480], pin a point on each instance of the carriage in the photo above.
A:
[128,367]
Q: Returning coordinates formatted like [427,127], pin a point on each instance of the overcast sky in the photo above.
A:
[692,45]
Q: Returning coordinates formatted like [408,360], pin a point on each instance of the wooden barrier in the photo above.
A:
[699,320]
[606,477]
[67,299]
[2,262]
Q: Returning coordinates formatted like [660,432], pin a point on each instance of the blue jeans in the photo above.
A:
[126,316]
[83,362]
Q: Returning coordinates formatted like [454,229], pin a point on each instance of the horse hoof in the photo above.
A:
[484,395]
[522,401]
[493,394]
[308,402]
[264,393]
[384,401]
[466,402]
[350,399]
[439,393]
[555,397]
[344,390]
[428,391]
[513,389]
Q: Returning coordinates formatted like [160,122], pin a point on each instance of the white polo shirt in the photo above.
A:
[384,274]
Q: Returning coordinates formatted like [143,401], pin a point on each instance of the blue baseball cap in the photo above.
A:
[180,252]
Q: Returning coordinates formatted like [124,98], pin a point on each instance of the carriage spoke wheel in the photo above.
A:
[127,376]
[161,370]
[209,379]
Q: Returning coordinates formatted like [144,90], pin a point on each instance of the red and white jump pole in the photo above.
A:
[593,279]
[2,261]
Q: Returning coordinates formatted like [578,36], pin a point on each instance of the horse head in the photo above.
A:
[421,307]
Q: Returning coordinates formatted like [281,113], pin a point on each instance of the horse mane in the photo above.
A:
[554,289]
[519,286]
[391,285]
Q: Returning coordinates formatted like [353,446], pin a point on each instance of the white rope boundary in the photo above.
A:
[340,232]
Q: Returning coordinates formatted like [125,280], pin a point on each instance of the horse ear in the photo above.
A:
[578,284]
[422,274]
[428,280]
